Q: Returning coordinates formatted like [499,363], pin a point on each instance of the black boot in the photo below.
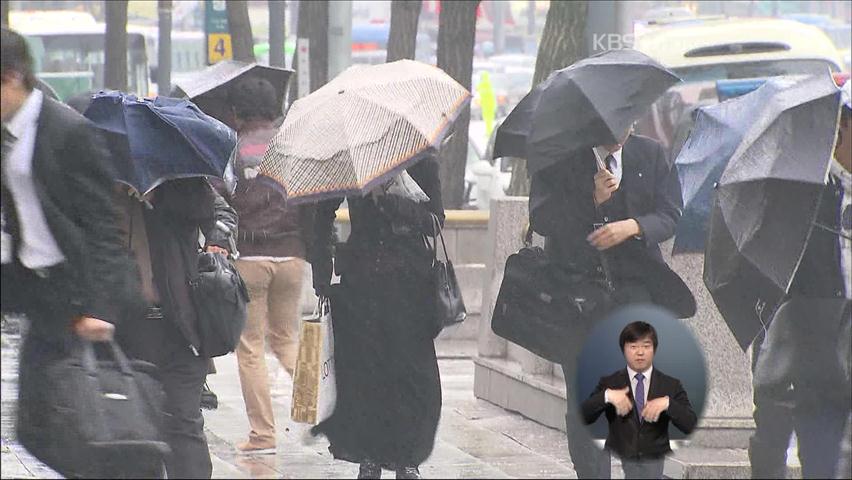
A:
[209,401]
[409,472]
[369,469]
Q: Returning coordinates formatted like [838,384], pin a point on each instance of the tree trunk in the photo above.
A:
[456,35]
[277,32]
[164,47]
[402,41]
[115,46]
[313,25]
[562,43]
[4,13]
[240,27]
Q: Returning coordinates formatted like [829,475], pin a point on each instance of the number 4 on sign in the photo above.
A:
[219,47]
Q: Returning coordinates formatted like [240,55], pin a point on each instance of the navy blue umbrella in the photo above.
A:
[153,141]
[716,133]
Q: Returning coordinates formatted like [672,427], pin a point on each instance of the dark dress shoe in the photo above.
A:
[209,400]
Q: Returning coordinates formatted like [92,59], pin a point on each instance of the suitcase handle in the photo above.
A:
[90,362]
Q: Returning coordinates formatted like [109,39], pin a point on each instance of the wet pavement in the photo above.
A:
[475,439]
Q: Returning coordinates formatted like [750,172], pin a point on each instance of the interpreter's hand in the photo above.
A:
[613,234]
[93,329]
[620,400]
[605,184]
[655,407]
[217,249]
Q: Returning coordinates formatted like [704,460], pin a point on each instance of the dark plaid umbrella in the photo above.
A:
[161,139]
[208,88]
[592,102]
[716,133]
[766,203]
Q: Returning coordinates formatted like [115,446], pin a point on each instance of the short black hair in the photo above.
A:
[15,56]
[635,331]
[254,97]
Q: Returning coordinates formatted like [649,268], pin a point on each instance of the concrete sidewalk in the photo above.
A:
[475,439]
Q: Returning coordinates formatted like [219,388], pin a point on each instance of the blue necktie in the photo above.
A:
[640,394]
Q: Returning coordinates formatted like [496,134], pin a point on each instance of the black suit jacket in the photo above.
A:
[630,438]
[562,209]
[74,182]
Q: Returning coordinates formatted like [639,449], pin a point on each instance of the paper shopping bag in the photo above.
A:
[314,389]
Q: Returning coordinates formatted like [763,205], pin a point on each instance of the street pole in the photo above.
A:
[164,47]
[531,17]
[602,27]
[339,36]
[499,29]
[277,33]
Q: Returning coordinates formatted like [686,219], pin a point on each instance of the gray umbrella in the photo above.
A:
[208,88]
[767,199]
[592,102]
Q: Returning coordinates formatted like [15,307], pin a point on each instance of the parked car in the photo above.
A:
[723,49]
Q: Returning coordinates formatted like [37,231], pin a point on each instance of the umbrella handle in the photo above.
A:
[831,230]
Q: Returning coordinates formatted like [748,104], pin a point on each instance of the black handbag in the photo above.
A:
[101,418]
[449,304]
[545,308]
[220,298]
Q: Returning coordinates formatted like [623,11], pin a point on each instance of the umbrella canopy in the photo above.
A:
[766,203]
[592,102]
[717,132]
[208,88]
[362,128]
[162,139]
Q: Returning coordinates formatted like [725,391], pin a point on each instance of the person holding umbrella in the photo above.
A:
[802,366]
[395,116]
[272,246]
[162,150]
[603,198]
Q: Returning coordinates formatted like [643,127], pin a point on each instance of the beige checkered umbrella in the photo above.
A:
[362,128]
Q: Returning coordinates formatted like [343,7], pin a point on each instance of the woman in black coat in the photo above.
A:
[388,385]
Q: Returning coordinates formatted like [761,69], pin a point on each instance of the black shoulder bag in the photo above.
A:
[449,305]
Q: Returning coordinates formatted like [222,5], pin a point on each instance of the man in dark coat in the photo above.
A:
[63,264]
[163,236]
[607,223]
[801,373]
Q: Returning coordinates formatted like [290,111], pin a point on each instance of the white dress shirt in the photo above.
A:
[845,178]
[602,153]
[38,248]
[646,382]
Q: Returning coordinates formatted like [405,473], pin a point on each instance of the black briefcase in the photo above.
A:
[544,308]
[100,418]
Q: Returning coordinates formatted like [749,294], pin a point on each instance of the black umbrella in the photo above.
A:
[592,102]
[766,203]
[208,88]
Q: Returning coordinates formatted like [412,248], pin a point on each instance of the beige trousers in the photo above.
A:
[275,289]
